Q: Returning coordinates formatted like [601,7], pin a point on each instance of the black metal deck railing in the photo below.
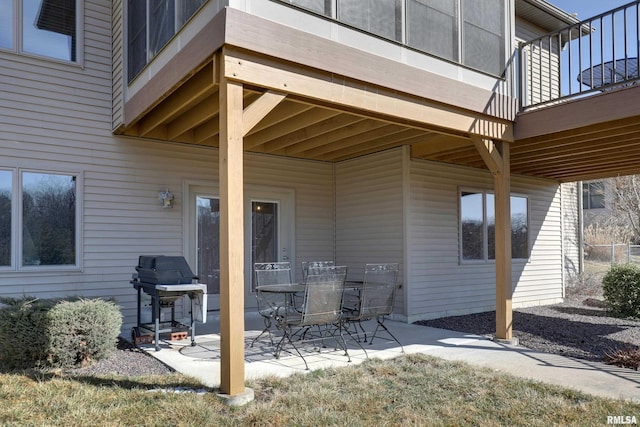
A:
[595,55]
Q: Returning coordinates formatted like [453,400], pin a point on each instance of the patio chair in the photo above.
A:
[313,264]
[306,265]
[270,305]
[375,302]
[322,306]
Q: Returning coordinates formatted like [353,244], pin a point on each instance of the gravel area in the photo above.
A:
[576,328]
[128,360]
[579,329]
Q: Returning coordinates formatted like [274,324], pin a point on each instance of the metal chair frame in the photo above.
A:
[270,306]
[322,306]
[376,298]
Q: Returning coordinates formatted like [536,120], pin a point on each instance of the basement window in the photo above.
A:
[477,226]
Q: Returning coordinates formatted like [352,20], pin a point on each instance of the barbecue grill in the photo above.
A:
[167,279]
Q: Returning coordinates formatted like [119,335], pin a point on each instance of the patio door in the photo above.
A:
[269,228]
[268,235]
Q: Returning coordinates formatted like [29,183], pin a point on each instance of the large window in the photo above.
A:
[469,32]
[477,226]
[432,26]
[150,26]
[40,27]
[42,230]
[6,213]
[483,35]
[381,17]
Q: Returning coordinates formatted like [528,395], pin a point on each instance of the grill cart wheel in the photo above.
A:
[134,335]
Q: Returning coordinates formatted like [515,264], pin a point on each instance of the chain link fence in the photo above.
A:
[613,253]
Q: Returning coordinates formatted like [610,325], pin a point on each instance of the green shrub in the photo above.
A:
[60,333]
[23,338]
[621,290]
[82,331]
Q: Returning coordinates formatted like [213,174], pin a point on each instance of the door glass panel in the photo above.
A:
[264,233]
[208,242]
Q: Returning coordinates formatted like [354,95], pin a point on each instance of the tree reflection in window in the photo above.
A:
[5,217]
[48,219]
[477,228]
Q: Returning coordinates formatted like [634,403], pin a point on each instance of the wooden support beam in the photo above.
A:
[231,247]
[310,118]
[502,198]
[489,153]
[259,108]
[352,95]
[437,143]
[201,113]
[178,101]
[497,156]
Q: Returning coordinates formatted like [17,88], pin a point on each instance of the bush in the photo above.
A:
[57,333]
[23,341]
[82,331]
[621,290]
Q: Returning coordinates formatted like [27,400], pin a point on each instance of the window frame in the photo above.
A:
[179,22]
[17,35]
[589,190]
[404,36]
[17,222]
[485,226]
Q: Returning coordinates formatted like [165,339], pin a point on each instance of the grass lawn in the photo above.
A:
[409,390]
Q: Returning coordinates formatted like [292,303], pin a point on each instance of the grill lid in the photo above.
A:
[163,269]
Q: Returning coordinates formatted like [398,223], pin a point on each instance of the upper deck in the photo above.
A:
[340,87]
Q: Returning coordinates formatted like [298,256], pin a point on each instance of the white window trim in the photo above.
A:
[17,47]
[485,234]
[17,223]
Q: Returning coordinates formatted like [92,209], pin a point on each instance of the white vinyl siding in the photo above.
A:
[438,284]
[369,214]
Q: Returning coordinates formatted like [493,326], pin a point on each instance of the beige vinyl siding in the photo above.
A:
[438,283]
[369,214]
[543,69]
[571,232]
[313,186]
[57,117]
[118,63]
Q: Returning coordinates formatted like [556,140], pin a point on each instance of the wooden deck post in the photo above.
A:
[502,188]
[231,241]
[496,156]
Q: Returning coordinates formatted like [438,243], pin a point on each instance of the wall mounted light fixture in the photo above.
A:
[167,198]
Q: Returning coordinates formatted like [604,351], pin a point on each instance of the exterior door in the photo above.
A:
[268,235]
[269,231]
[204,251]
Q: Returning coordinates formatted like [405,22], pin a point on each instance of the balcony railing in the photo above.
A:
[598,54]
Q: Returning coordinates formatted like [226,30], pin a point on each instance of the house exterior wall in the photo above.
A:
[572,230]
[543,70]
[380,208]
[57,117]
[438,284]
[369,215]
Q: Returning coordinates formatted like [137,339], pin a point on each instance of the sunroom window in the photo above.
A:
[40,27]
[468,32]
[150,26]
